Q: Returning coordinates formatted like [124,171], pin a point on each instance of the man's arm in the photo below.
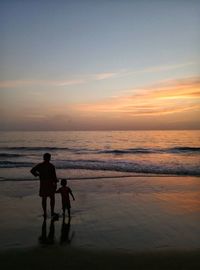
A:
[55,179]
[35,171]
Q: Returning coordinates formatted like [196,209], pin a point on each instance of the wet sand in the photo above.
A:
[126,216]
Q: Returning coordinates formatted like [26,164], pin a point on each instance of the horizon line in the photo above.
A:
[92,130]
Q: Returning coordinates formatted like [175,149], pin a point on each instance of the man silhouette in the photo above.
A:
[48,179]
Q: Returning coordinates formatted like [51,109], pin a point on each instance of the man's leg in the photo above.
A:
[52,203]
[63,208]
[69,212]
[44,206]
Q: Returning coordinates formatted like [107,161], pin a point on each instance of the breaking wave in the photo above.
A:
[113,165]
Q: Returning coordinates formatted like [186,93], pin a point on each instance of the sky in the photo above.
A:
[99,65]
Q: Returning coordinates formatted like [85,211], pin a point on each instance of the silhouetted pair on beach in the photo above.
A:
[48,187]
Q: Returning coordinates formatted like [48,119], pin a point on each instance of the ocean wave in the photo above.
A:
[129,151]
[185,149]
[8,155]
[38,148]
[13,164]
[112,165]
[177,150]
[137,150]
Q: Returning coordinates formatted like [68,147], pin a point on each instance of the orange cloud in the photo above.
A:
[103,76]
[166,98]
[26,83]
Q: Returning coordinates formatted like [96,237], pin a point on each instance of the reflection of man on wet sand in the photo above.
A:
[48,179]
[44,239]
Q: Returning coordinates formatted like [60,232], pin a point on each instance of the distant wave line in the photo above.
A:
[137,150]
[9,155]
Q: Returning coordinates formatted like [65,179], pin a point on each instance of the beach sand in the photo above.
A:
[122,223]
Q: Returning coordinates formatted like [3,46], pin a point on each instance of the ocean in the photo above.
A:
[96,154]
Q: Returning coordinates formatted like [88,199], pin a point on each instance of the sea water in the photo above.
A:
[93,154]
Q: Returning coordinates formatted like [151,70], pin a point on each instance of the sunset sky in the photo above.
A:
[99,65]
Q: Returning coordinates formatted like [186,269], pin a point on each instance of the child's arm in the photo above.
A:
[70,192]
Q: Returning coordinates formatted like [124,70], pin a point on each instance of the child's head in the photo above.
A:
[63,182]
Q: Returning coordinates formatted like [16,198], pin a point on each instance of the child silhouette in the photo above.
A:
[64,190]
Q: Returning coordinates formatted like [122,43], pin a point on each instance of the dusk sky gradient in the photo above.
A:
[89,65]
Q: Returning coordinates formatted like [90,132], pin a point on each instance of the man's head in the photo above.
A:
[47,157]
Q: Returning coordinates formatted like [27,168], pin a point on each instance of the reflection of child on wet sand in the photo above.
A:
[65,237]
[65,191]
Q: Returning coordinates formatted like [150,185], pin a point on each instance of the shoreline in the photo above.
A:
[2,179]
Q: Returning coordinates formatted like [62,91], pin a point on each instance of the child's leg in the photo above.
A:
[44,206]
[63,207]
[69,212]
